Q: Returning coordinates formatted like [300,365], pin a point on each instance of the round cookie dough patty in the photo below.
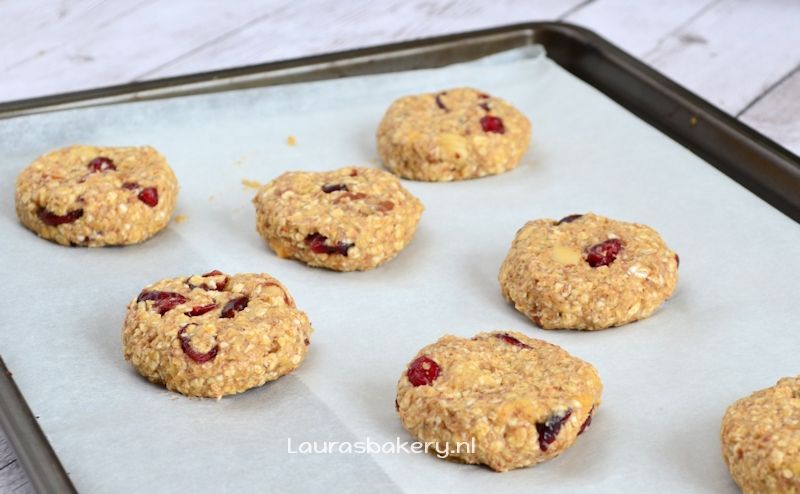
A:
[518,400]
[215,334]
[452,135]
[761,439]
[96,196]
[587,272]
[348,219]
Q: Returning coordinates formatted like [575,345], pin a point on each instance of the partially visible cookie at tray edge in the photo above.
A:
[97,196]
[215,334]
[506,400]
[587,272]
[456,134]
[348,219]
[760,437]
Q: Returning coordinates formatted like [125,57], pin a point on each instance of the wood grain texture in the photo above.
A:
[777,114]
[733,51]
[741,55]
[289,31]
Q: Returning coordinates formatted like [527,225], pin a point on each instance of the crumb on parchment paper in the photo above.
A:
[251,184]
[180,218]
[291,141]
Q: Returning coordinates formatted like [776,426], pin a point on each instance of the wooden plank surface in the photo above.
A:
[741,55]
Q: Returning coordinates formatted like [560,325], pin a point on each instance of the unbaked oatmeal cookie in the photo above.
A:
[455,134]
[96,196]
[345,220]
[215,334]
[500,398]
[761,439]
[587,272]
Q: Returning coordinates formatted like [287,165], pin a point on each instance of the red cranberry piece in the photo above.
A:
[511,340]
[328,188]
[130,186]
[219,286]
[678,260]
[422,371]
[385,206]
[149,196]
[586,422]
[316,242]
[186,346]
[162,301]
[233,306]
[485,107]
[53,219]
[604,253]
[483,96]
[493,124]
[101,164]
[201,309]
[569,219]
[439,102]
[354,173]
[549,429]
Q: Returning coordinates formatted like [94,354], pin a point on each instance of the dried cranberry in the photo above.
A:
[186,346]
[354,173]
[485,107]
[201,309]
[316,242]
[149,196]
[493,124]
[130,185]
[53,219]
[677,260]
[101,164]
[385,206]
[219,286]
[483,96]
[587,422]
[162,301]
[569,219]
[604,253]
[439,102]
[422,371]
[328,188]
[233,306]
[511,340]
[549,429]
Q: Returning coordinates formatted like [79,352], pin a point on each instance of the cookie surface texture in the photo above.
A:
[215,334]
[587,272]
[455,134]
[346,220]
[500,398]
[97,196]
[761,439]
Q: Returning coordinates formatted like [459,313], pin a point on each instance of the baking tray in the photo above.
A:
[751,159]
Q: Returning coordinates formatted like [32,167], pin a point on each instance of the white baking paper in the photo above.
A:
[731,328]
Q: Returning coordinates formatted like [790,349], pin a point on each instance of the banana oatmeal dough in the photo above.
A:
[761,439]
[518,400]
[587,272]
[215,334]
[455,134]
[346,220]
[97,196]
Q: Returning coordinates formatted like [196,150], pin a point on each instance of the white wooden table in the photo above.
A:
[742,55]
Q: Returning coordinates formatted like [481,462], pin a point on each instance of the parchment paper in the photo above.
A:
[730,329]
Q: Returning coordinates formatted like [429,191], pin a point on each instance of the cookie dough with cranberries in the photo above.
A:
[454,134]
[761,439]
[215,334]
[520,401]
[345,220]
[96,196]
[587,272]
